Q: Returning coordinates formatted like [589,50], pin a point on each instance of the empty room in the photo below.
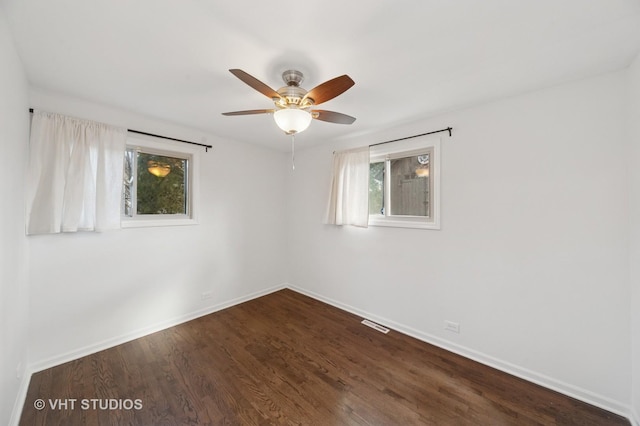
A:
[321,213]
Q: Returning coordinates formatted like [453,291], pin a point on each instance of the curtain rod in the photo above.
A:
[206,147]
[448,129]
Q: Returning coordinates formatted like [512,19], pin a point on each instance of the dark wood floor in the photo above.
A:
[289,359]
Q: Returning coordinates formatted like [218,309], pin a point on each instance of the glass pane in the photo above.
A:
[376,188]
[127,184]
[410,186]
[161,186]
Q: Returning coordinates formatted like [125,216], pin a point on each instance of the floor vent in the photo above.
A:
[375,326]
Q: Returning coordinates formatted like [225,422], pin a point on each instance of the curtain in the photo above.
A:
[75,175]
[349,195]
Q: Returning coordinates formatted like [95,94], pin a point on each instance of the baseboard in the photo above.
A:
[20,398]
[118,340]
[523,373]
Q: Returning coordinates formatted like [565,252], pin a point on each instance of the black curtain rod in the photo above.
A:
[448,129]
[206,147]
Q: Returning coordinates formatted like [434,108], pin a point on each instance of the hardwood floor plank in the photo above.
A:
[286,359]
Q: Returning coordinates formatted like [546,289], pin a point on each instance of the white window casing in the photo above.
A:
[411,147]
[151,145]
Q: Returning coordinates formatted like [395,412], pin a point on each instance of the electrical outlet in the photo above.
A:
[19,371]
[452,326]
[206,295]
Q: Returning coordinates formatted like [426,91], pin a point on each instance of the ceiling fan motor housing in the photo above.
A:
[292,94]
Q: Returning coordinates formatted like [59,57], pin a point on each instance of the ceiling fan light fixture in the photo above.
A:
[158,168]
[293,103]
[292,120]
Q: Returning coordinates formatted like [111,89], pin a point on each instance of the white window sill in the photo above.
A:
[145,223]
[403,222]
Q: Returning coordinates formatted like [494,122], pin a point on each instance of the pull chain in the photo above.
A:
[293,155]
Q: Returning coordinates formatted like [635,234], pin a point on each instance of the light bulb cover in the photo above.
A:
[422,172]
[158,169]
[292,120]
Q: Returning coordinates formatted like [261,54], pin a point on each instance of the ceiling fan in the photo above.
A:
[294,105]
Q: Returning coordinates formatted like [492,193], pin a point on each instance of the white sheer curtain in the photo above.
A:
[349,198]
[75,175]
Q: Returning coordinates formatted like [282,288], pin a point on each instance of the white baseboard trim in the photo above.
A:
[136,334]
[523,373]
[20,398]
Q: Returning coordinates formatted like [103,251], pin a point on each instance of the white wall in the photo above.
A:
[532,256]
[13,276]
[90,290]
[634,203]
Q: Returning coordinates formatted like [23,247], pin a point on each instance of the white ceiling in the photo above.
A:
[410,59]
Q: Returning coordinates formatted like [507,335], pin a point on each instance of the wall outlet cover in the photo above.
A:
[452,326]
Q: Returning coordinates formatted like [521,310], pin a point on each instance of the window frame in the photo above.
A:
[153,145]
[406,148]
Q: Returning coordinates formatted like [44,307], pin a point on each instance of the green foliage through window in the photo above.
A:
[376,188]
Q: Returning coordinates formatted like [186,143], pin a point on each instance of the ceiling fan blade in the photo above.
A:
[250,111]
[329,89]
[332,117]
[255,83]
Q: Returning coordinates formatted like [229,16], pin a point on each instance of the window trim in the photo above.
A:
[405,148]
[153,145]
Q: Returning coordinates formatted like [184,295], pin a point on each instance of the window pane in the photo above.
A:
[127,186]
[376,188]
[410,186]
[161,185]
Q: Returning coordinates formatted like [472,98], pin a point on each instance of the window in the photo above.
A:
[159,185]
[404,179]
